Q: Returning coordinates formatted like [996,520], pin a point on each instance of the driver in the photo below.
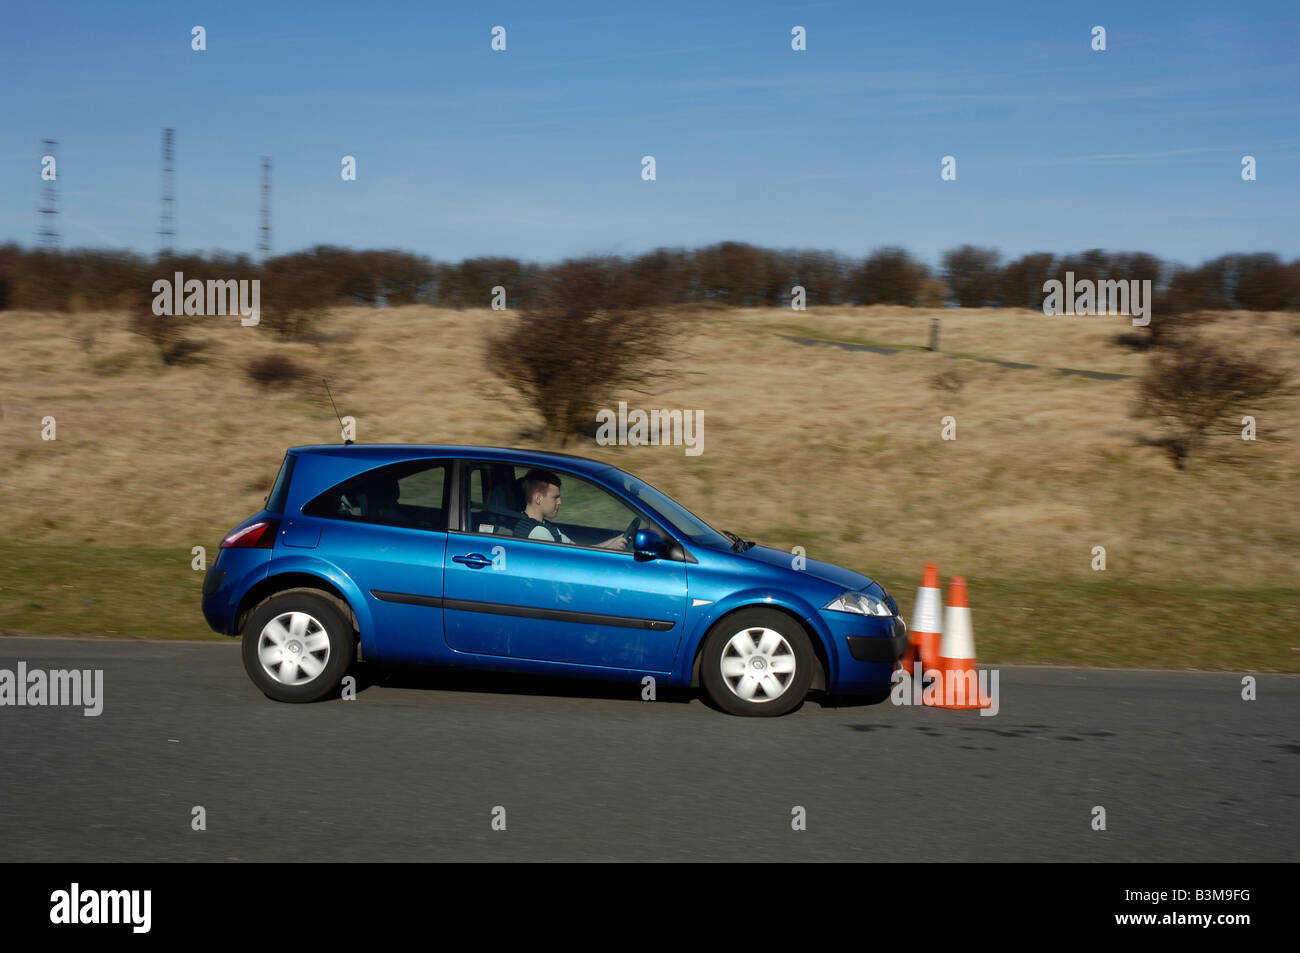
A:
[541,503]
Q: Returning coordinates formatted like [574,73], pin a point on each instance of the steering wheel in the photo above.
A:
[629,534]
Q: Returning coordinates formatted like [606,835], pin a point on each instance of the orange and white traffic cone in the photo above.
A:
[927,624]
[956,662]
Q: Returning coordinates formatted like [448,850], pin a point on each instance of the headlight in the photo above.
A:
[859,603]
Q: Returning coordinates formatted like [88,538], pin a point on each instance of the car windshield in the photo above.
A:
[686,522]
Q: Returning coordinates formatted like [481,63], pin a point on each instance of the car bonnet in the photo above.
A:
[827,572]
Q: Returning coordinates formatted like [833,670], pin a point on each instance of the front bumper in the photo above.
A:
[867,650]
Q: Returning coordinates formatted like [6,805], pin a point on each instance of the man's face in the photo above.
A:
[550,501]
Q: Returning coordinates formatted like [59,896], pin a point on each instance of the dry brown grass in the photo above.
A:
[835,450]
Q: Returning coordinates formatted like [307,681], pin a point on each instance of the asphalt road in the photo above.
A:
[412,769]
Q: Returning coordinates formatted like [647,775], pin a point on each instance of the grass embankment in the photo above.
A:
[838,451]
[153,593]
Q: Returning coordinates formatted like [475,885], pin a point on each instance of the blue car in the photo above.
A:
[515,560]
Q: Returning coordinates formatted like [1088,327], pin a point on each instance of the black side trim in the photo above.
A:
[527,612]
[559,615]
[408,598]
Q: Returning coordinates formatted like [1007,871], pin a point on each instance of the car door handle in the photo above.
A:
[473,560]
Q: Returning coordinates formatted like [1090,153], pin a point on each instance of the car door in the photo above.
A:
[386,529]
[538,599]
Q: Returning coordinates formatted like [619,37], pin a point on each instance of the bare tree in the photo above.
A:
[593,325]
[1023,279]
[974,275]
[297,290]
[888,276]
[1196,384]
[1270,288]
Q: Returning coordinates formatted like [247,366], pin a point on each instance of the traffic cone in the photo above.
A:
[927,623]
[959,678]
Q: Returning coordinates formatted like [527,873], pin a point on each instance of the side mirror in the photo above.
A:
[649,544]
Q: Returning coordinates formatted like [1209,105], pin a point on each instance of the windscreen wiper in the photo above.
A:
[738,545]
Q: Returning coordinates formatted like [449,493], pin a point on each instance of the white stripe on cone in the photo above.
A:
[958,640]
[927,614]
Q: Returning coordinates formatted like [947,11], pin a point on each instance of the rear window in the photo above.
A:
[280,491]
[411,494]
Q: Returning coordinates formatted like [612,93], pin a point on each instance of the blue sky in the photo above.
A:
[536,152]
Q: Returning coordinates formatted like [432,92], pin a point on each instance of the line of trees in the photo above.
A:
[729,273]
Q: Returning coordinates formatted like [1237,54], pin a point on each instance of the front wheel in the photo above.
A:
[758,662]
[297,646]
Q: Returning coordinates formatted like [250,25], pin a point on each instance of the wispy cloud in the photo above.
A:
[1131,156]
[624,55]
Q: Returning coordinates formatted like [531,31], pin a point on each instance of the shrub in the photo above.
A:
[587,330]
[950,381]
[1195,384]
[276,371]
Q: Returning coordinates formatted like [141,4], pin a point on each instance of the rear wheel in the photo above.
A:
[297,646]
[758,662]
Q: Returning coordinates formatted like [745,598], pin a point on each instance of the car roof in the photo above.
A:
[379,453]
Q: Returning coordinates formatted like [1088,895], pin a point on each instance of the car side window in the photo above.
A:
[411,494]
[586,515]
[586,506]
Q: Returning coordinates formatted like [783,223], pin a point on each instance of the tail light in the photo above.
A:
[259,535]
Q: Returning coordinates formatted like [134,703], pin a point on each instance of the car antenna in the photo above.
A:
[342,428]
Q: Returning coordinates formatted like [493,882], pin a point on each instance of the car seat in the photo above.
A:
[379,500]
[505,501]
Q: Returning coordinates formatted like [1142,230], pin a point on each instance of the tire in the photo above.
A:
[297,646]
[776,677]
